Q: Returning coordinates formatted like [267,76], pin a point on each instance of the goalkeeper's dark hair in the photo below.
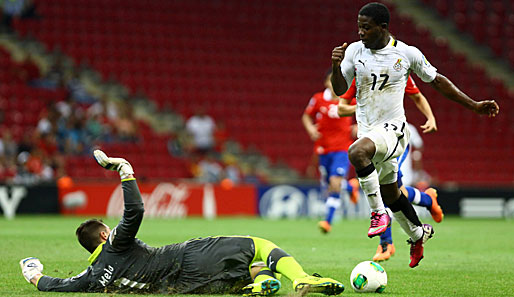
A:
[88,234]
[378,12]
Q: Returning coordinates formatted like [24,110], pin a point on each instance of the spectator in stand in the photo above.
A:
[54,77]
[201,127]
[232,172]
[8,152]
[206,169]
[10,9]
[126,124]
[252,174]
[48,144]
[34,162]
[48,119]
[72,135]
[97,129]
[16,9]
[220,136]
[78,91]
[179,143]
[8,169]
[64,107]
[26,144]
[8,147]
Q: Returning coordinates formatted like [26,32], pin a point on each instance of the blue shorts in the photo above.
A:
[400,162]
[333,164]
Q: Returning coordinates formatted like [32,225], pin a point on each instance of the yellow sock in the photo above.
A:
[264,274]
[286,265]
[290,268]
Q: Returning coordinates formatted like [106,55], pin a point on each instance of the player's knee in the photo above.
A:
[274,256]
[259,270]
[335,184]
[359,155]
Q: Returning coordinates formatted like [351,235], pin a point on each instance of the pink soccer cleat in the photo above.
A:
[379,224]
[416,247]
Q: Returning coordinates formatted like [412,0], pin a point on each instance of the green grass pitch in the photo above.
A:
[465,258]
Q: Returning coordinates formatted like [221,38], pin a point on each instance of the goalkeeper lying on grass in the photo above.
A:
[215,265]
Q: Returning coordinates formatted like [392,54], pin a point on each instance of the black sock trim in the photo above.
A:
[365,171]
[273,258]
[265,272]
[403,205]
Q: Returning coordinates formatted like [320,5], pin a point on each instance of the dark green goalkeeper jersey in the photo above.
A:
[126,264]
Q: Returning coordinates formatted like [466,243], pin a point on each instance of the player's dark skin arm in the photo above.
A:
[338,82]
[444,86]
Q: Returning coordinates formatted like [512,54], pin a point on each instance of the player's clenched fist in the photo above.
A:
[487,107]
[338,54]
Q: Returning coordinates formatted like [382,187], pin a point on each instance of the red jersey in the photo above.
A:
[410,89]
[335,132]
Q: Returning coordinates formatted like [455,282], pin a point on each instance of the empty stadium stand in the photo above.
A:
[255,64]
[489,22]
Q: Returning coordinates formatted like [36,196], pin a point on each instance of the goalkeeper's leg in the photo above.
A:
[278,261]
[116,164]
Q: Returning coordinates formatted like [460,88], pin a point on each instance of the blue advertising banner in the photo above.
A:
[292,201]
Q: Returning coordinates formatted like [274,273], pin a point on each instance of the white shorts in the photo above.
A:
[390,140]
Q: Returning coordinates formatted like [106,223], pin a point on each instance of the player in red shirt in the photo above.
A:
[332,137]
[428,198]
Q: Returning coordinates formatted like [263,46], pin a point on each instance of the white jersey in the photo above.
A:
[380,79]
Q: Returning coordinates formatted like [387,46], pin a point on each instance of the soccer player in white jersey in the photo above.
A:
[381,65]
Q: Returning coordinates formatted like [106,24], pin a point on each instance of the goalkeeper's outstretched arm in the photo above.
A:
[124,233]
[120,238]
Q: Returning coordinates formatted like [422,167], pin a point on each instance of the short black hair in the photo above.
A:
[88,234]
[378,12]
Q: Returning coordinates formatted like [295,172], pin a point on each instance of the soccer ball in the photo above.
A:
[368,276]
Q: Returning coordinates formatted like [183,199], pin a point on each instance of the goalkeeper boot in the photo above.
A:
[436,210]
[354,195]
[116,164]
[379,224]
[318,284]
[324,227]
[416,247]
[264,288]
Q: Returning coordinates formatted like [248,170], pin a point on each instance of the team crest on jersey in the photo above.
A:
[398,65]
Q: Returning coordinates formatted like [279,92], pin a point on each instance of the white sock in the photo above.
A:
[371,189]
[417,197]
[333,202]
[413,231]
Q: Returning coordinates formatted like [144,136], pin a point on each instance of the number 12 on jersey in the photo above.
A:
[375,78]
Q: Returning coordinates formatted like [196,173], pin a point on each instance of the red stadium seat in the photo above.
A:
[256,70]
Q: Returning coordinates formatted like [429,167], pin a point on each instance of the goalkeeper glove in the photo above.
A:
[30,267]
[116,164]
